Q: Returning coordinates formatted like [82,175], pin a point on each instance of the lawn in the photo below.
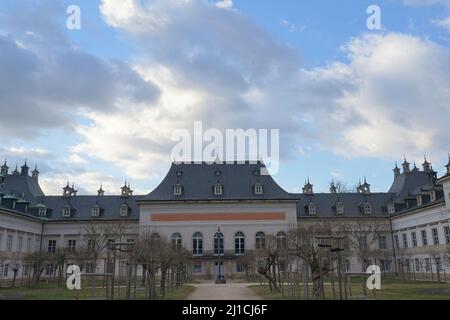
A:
[391,289]
[50,291]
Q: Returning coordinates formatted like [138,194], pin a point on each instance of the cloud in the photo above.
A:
[225,4]
[44,79]
[443,23]
[291,27]
[218,67]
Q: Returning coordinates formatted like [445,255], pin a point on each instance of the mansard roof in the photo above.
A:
[82,205]
[406,182]
[325,204]
[21,186]
[237,179]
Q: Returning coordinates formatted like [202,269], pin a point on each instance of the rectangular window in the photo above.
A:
[50,269]
[198,267]
[91,245]
[414,239]
[25,270]
[9,242]
[197,245]
[435,233]
[51,246]
[5,270]
[405,240]
[363,242]
[447,234]
[382,242]
[28,244]
[218,245]
[340,208]
[438,263]
[427,264]
[19,244]
[424,238]
[397,243]
[72,245]
[240,267]
[66,211]
[417,264]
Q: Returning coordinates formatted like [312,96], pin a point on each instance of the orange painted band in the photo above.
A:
[247,216]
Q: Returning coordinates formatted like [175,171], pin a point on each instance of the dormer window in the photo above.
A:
[124,210]
[312,209]
[66,211]
[218,189]
[95,211]
[177,190]
[339,208]
[433,196]
[367,207]
[419,200]
[42,212]
[258,189]
[391,208]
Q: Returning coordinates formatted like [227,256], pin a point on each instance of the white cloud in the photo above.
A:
[217,66]
[225,4]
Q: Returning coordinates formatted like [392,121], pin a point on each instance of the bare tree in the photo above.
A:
[363,236]
[303,245]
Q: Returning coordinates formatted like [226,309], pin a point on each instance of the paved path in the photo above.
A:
[229,291]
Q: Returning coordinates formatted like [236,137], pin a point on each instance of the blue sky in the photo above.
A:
[97,105]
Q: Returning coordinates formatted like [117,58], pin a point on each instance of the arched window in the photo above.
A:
[176,241]
[239,243]
[281,240]
[197,244]
[218,243]
[260,242]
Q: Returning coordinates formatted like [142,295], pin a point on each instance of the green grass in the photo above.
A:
[51,291]
[391,289]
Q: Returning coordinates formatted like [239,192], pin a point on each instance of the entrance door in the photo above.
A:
[219,269]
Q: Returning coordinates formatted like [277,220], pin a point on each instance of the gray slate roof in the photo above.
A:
[325,204]
[198,181]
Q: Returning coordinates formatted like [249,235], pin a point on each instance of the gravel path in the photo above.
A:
[229,291]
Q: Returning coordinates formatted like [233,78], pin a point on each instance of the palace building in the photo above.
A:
[225,210]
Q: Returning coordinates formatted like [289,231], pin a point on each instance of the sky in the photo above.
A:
[98,105]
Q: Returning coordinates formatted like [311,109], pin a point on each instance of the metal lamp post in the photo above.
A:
[220,279]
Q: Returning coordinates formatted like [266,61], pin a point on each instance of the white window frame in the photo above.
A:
[405,240]
[124,210]
[218,189]
[447,234]
[340,209]
[258,189]
[239,243]
[414,239]
[435,234]
[382,242]
[391,208]
[42,212]
[177,190]
[95,211]
[72,245]
[424,235]
[432,196]
[312,210]
[66,211]
[51,247]
[9,243]
[419,200]
[367,208]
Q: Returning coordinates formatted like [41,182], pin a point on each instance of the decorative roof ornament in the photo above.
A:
[126,190]
[333,188]
[415,169]
[24,169]
[35,173]
[4,169]
[448,164]
[308,188]
[426,165]
[396,170]
[100,192]
[405,166]
[16,172]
